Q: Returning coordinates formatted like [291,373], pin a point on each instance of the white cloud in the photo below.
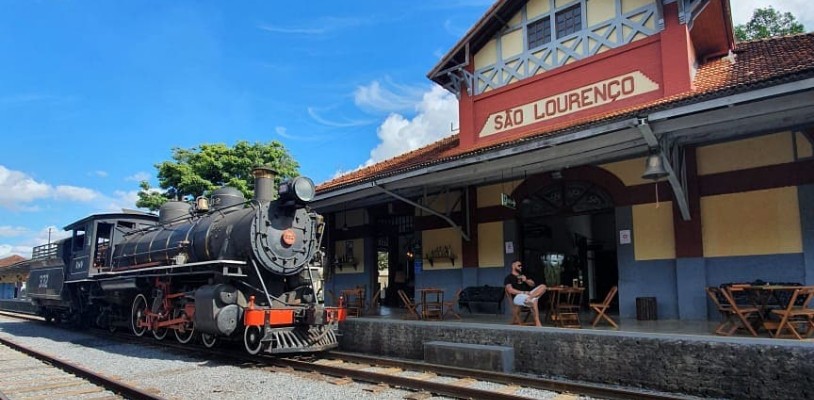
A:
[314,113]
[122,199]
[74,193]
[389,97]
[139,176]
[17,189]
[11,231]
[99,173]
[435,112]
[23,248]
[283,132]
[742,10]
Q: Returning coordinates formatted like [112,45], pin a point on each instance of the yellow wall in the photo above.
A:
[804,149]
[490,195]
[598,11]
[490,244]
[512,44]
[536,7]
[630,5]
[751,223]
[432,239]
[628,171]
[486,55]
[358,256]
[653,235]
[563,3]
[748,153]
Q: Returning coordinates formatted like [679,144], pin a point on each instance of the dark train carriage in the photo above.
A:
[60,282]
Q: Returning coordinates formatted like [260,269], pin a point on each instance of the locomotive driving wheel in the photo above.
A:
[138,313]
[187,331]
[252,337]
[209,341]
[160,333]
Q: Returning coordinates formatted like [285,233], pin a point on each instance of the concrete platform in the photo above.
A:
[671,356]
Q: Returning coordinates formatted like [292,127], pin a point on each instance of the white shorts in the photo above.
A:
[520,299]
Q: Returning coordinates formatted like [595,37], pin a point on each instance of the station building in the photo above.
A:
[12,276]
[564,106]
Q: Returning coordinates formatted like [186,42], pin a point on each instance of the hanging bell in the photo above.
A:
[654,167]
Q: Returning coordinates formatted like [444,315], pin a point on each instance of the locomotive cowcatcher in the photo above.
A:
[223,267]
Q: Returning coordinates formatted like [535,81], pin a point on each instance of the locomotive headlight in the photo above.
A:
[299,189]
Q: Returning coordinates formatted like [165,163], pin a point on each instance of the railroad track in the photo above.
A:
[27,373]
[382,373]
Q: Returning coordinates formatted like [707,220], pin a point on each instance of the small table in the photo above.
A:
[432,303]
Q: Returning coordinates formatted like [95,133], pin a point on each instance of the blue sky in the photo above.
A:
[94,93]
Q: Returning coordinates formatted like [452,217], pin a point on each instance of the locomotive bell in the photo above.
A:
[654,167]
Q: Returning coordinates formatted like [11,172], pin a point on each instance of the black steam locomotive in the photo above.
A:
[224,267]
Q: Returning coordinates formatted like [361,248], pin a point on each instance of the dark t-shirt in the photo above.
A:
[514,280]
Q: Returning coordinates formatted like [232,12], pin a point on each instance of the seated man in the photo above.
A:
[525,292]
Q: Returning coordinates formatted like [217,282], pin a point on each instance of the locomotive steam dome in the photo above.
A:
[171,211]
[226,196]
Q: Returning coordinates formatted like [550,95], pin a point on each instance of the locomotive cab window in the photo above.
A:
[78,239]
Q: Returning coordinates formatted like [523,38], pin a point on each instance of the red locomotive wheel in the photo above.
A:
[138,313]
[184,334]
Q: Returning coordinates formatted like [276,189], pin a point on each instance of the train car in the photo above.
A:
[223,267]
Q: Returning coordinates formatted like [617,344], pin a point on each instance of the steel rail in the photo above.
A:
[117,387]
[583,388]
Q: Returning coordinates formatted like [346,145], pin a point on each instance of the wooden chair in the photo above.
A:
[739,315]
[449,306]
[797,313]
[374,302]
[412,308]
[517,311]
[568,302]
[601,308]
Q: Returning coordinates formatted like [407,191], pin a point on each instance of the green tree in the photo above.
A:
[768,22]
[199,170]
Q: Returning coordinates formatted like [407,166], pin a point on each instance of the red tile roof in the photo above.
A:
[756,64]
[5,262]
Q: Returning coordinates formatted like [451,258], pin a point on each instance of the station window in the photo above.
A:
[539,32]
[569,20]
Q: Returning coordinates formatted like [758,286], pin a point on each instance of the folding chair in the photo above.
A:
[797,313]
[412,308]
[568,303]
[601,308]
[374,302]
[738,315]
[517,310]
[449,306]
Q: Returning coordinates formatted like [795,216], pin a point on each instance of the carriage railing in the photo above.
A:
[44,252]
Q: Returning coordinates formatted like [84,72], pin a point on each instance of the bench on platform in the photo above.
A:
[491,295]
[473,356]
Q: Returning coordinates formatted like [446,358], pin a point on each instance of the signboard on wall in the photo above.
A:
[507,201]
[590,96]
[624,236]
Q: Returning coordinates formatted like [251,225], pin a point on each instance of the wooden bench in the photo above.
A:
[491,295]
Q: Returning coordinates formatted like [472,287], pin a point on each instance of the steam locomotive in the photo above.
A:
[221,268]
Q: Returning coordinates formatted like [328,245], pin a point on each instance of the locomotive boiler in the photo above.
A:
[223,267]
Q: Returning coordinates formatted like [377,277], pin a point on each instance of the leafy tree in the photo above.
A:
[199,170]
[768,22]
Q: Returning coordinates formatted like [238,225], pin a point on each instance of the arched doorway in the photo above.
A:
[575,218]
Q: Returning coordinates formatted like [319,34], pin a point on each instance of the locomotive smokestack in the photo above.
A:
[264,184]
